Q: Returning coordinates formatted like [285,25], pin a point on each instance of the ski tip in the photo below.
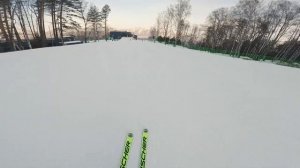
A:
[130,135]
[145,130]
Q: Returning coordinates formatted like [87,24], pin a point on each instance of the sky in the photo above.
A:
[134,14]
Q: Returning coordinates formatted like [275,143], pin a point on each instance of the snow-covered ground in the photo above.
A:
[72,106]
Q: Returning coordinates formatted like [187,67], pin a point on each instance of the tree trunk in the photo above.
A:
[22,23]
[41,24]
[61,21]
[85,31]
[2,28]
[105,29]
[8,28]
[26,15]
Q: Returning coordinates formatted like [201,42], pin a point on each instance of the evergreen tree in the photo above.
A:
[52,7]
[94,17]
[68,11]
[105,12]
[83,15]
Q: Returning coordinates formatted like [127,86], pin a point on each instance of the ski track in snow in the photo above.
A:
[72,107]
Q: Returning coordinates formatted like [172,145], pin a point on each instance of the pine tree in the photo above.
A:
[94,17]
[52,6]
[68,11]
[83,15]
[105,12]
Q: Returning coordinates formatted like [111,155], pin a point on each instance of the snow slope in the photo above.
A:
[72,106]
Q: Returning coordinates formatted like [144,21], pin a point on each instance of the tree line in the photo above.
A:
[251,28]
[26,24]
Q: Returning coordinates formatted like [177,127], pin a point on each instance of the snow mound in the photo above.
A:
[72,106]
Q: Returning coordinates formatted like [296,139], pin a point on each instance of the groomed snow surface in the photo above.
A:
[72,107]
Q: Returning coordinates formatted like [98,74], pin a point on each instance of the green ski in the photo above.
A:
[125,156]
[144,148]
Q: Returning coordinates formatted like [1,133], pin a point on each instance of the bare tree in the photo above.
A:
[152,32]
[41,21]
[167,18]
[158,25]
[52,6]
[194,34]
[6,23]
[3,21]
[279,15]
[182,10]
[20,14]
[216,32]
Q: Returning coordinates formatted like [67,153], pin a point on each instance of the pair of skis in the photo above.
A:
[128,144]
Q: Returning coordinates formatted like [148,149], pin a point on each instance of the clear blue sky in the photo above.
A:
[131,14]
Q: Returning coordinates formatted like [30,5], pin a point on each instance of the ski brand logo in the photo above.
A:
[125,155]
[144,151]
